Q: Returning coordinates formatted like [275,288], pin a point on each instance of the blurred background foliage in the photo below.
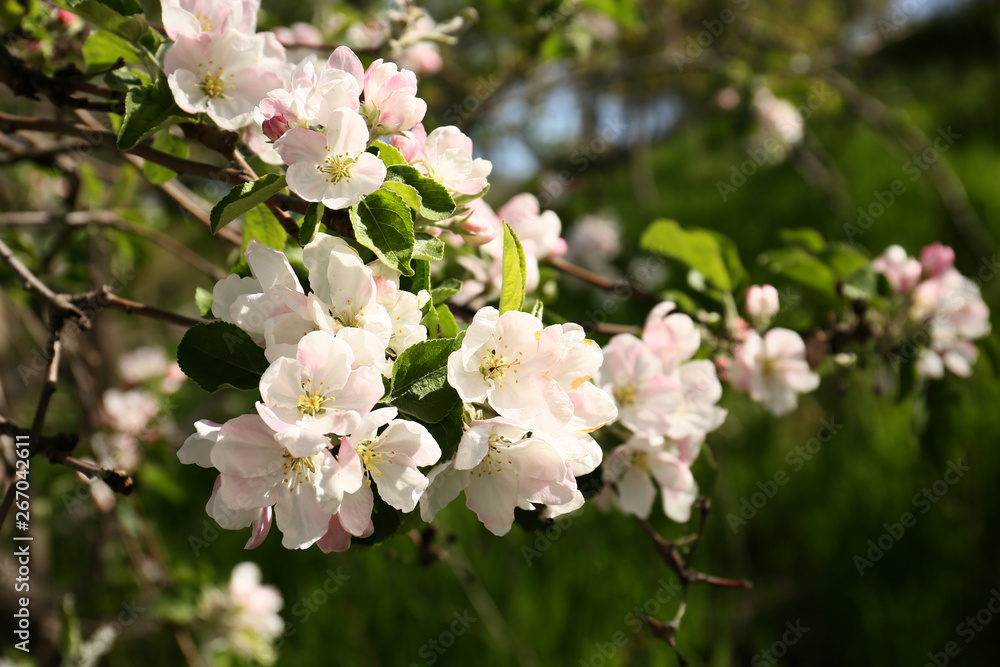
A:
[596,106]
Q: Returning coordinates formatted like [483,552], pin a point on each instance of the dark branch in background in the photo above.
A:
[30,82]
[911,139]
[598,280]
[672,554]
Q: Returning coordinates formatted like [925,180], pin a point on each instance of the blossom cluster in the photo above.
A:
[667,401]
[243,618]
[943,310]
[329,350]
[535,379]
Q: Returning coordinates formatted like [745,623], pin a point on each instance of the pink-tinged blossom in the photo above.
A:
[633,467]
[129,411]
[936,259]
[673,337]
[293,471]
[190,17]
[197,449]
[333,169]
[251,303]
[761,302]
[390,102]
[499,469]
[479,224]
[537,230]
[593,241]
[299,34]
[344,294]
[311,95]
[773,369]
[317,390]
[902,271]
[952,309]
[249,617]
[259,520]
[337,538]
[634,376]
[387,456]
[224,75]
[446,156]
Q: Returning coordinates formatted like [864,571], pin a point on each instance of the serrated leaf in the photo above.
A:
[514,272]
[434,201]
[310,223]
[259,223]
[121,17]
[427,247]
[446,321]
[147,109]
[420,380]
[217,353]
[421,278]
[125,79]
[446,290]
[697,248]
[382,223]
[204,299]
[102,49]
[244,197]
[166,142]
[388,153]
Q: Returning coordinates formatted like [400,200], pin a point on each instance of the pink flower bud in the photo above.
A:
[67,18]
[902,272]
[936,259]
[762,302]
[274,127]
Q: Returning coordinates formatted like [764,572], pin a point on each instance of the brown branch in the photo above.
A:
[670,553]
[103,298]
[61,306]
[598,280]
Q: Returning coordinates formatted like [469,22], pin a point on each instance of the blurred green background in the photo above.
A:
[555,82]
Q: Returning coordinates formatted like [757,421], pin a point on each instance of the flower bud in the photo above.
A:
[274,127]
[762,302]
[936,259]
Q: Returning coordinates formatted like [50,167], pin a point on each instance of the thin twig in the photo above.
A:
[598,280]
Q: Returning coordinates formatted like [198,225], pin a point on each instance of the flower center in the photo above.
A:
[493,461]
[371,458]
[640,460]
[337,167]
[311,402]
[625,396]
[297,470]
[494,368]
[213,84]
[205,21]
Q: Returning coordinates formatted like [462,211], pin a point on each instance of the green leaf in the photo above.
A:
[103,49]
[430,321]
[388,153]
[310,223]
[420,380]
[125,79]
[434,202]
[446,321]
[217,353]
[808,238]
[427,247]
[448,431]
[122,17]
[168,143]
[845,260]
[259,223]
[147,109]
[421,278]
[538,309]
[798,266]
[514,272]
[697,248]
[382,223]
[446,290]
[244,197]
[204,300]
